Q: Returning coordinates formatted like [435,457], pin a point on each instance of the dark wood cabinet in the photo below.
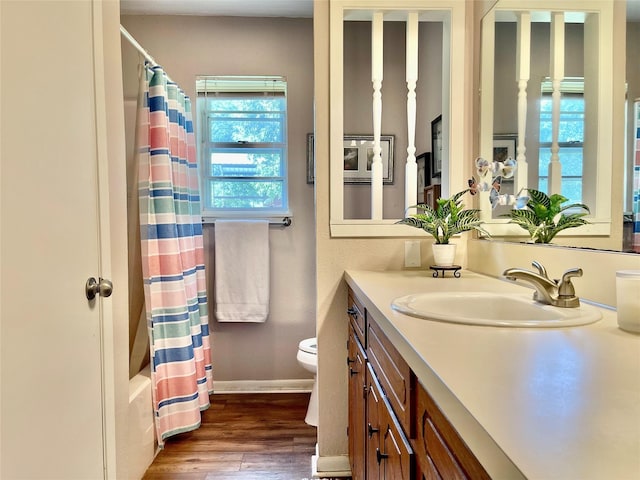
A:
[372,434]
[393,373]
[396,430]
[389,453]
[378,379]
[357,362]
[440,451]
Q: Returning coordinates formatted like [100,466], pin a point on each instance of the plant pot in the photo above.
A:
[444,254]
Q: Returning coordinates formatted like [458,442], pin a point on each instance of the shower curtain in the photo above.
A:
[636,180]
[172,256]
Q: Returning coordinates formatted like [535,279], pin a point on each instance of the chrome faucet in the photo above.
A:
[559,293]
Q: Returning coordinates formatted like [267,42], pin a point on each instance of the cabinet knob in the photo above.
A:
[371,429]
[349,361]
[352,312]
[353,372]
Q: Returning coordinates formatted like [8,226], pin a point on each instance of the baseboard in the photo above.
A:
[263,386]
[330,467]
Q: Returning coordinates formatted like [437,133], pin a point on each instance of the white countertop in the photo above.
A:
[556,403]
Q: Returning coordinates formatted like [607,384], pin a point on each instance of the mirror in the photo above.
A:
[394,71]
[587,107]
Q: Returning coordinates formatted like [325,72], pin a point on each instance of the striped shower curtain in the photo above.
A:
[172,256]
[636,179]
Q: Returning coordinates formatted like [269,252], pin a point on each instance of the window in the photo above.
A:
[570,137]
[243,139]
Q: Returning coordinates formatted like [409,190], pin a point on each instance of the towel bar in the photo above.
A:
[285,222]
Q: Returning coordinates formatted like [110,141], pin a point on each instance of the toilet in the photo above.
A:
[308,359]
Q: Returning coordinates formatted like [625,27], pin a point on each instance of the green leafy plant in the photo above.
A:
[448,218]
[543,216]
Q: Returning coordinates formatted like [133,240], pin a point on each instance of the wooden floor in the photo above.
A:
[243,436]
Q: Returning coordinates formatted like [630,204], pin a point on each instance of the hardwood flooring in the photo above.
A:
[242,436]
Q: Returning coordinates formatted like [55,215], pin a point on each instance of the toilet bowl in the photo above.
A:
[308,359]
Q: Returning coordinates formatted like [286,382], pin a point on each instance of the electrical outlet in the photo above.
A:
[412,253]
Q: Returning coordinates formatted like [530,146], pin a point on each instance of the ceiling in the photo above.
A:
[231,8]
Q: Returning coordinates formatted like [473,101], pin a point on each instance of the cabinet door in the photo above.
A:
[440,451]
[389,454]
[357,366]
[373,444]
[397,455]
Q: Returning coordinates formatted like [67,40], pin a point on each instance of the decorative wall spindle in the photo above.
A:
[523,61]
[377,26]
[557,75]
[411,169]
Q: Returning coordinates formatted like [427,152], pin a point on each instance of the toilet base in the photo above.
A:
[312,410]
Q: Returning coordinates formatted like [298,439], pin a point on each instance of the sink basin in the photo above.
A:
[493,309]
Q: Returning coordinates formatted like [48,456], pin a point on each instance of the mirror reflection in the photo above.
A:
[539,131]
[631,173]
[555,130]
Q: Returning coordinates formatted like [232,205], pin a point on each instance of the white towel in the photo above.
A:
[242,270]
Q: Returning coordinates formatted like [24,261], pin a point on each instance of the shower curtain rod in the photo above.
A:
[140,48]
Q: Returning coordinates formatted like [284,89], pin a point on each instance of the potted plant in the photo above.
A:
[449,218]
[544,217]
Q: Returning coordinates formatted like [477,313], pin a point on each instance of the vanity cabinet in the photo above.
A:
[396,430]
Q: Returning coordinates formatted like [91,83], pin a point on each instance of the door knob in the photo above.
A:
[102,287]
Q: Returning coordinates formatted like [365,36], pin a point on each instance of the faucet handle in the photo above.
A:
[541,270]
[566,288]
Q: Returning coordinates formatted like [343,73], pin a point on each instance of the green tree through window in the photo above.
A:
[570,138]
[244,157]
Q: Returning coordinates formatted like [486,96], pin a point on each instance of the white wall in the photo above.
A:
[188,46]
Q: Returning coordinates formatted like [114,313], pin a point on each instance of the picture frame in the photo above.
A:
[423,163]
[504,146]
[432,194]
[436,146]
[358,157]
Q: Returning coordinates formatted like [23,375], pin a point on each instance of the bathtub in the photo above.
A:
[141,448]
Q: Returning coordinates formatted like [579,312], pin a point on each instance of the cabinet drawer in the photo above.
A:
[393,373]
[439,447]
[356,313]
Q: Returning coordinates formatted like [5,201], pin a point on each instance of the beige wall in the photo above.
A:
[188,46]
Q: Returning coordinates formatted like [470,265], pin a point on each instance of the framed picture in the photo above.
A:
[423,161]
[504,146]
[431,195]
[358,158]
[436,146]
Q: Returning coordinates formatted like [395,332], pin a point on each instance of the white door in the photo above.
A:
[50,339]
